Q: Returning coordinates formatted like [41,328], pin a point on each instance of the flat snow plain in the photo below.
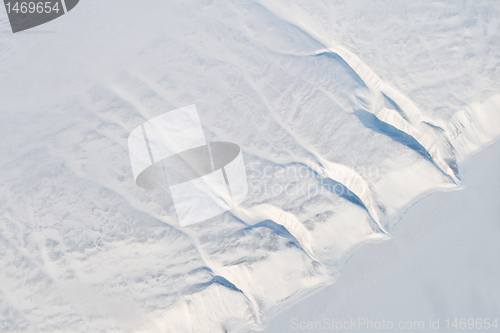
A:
[346,114]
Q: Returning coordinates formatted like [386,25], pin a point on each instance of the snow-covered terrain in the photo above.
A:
[346,114]
[441,263]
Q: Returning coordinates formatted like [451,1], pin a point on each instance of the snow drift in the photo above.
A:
[345,115]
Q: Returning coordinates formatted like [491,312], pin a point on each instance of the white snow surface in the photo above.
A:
[346,114]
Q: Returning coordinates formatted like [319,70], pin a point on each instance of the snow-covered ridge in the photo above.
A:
[334,153]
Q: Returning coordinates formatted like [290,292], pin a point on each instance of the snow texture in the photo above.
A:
[346,114]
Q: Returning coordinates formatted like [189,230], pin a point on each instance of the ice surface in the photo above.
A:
[345,115]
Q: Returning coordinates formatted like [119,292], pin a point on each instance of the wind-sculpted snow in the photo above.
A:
[334,153]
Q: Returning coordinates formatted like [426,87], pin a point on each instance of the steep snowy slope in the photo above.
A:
[345,115]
